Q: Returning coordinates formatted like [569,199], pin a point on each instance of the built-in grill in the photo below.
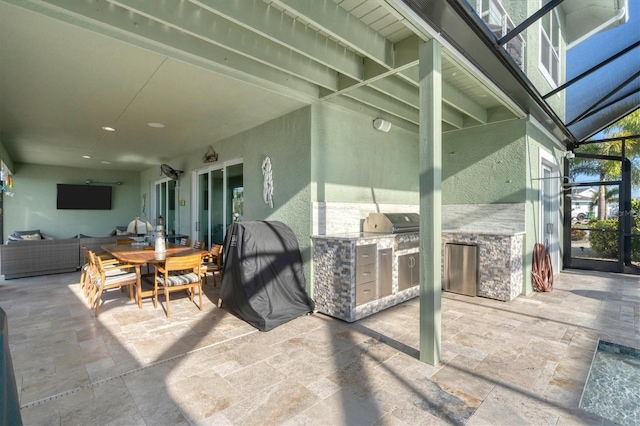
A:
[391,223]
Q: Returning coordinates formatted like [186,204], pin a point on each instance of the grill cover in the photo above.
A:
[262,280]
[391,223]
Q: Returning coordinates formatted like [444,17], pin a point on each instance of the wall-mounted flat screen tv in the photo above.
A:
[84,197]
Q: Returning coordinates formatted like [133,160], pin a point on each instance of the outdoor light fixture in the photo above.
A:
[569,155]
[382,125]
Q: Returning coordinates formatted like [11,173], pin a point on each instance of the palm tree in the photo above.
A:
[610,196]
[610,170]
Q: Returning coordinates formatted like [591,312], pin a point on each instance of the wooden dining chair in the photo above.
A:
[199,245]
[104,277]
[107,260]
[178,273]
[212,264]
[185,242]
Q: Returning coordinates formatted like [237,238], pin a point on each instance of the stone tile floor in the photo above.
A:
[521,362]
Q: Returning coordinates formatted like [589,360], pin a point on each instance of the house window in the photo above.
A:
[499,22]
[550,47]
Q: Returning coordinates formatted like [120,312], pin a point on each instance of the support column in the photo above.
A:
[430,143]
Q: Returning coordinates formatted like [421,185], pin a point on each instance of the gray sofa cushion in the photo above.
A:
[33,235]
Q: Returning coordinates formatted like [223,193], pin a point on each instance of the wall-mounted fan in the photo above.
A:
[170,171]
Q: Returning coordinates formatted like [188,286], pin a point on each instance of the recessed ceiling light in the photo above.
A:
[156,125]
[85,156]
[109,128]
[106,162]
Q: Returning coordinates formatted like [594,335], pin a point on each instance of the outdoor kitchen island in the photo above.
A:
[356,275]
[359,274]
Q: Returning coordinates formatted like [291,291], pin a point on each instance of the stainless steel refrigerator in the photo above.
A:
[461,269]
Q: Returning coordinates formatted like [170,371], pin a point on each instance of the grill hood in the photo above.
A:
[392,223]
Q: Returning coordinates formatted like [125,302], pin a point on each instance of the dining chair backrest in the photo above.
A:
[183,263]
[185,242]
[216,252]
[199,245]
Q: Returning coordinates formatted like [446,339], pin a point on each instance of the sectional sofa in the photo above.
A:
[26,258]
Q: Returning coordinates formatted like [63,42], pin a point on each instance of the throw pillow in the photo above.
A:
[32,237]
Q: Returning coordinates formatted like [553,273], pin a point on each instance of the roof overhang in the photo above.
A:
[585,18]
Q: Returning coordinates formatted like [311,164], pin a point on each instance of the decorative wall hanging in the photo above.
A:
[210,156]
[267,191]
[6,183]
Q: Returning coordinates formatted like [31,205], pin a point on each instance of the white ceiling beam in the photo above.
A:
[273,24]
[211,28]
[397,89]
[380,101]
[340,24]
[451,96]
[350,104]
[400,109]
[120,24]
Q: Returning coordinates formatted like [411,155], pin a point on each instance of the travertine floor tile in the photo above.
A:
[522,362]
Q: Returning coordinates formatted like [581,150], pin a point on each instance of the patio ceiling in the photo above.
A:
[208,69]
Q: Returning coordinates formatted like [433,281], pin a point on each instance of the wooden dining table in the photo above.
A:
[139,255]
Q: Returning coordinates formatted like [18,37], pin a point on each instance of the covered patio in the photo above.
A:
[519,362]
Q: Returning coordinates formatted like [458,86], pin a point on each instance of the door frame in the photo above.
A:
[554,182]
[153,202]
[195,190]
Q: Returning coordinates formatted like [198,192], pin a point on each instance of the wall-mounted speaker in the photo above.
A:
[382,125]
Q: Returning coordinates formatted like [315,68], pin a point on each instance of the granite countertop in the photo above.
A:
[355,235]
[365,235]
[505,232]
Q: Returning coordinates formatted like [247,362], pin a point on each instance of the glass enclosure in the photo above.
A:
[603,206]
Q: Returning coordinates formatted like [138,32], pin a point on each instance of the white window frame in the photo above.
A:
[548,40]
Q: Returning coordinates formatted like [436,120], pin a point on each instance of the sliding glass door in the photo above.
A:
[218,201]
[165,205]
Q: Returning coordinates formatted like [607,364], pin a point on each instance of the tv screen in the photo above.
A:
[84,197]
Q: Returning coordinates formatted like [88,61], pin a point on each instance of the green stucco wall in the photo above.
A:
[485,165]
[287,141]
[499,163]
[354,163]
[34,204]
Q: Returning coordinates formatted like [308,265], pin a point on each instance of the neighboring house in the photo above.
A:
[472,141]
[582,203]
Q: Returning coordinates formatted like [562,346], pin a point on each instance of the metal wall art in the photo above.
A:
[210,156]
[267,191]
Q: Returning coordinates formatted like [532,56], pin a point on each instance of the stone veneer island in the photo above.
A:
[350,284]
